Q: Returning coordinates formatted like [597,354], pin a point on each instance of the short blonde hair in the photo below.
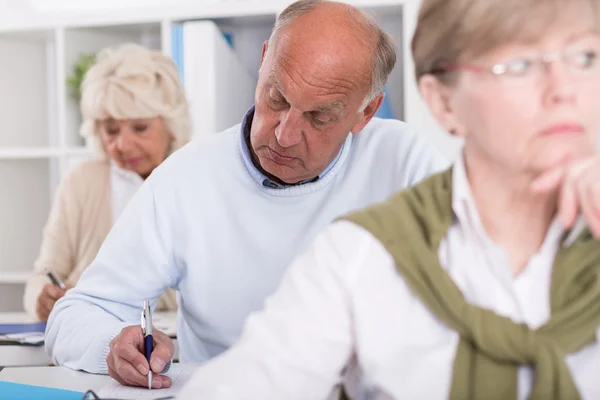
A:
[448,30]
[130,82]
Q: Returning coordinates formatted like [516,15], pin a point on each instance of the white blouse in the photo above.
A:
[123,185]
[342,303]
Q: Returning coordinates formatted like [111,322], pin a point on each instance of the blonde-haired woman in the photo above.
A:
[480,282]
[135,111]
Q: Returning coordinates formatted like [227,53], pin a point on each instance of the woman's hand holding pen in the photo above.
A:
[48,297]
[126,361]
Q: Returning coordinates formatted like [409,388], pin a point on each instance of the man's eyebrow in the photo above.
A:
[583,35]
[273,81]
[336,106]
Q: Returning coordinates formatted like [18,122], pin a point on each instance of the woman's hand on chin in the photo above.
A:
[579,184]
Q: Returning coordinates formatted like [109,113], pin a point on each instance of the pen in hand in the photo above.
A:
[55,280]
[148,340]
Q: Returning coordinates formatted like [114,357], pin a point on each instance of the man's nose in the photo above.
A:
[289,131]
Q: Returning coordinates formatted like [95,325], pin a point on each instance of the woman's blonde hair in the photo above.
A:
[130,82]
[448,30]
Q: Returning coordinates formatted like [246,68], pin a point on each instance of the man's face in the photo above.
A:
[306,105]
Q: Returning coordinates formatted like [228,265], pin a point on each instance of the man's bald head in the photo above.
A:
[326,29]
[320,79]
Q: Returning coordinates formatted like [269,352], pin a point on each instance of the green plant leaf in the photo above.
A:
[80,68]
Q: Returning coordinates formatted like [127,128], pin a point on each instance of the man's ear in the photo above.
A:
[265,49]
[437,97]
[368,113]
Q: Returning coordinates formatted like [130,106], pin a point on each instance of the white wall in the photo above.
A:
[24,207]
[23,113]
[104,5]
[11,297]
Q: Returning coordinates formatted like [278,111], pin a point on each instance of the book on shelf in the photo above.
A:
[218,87]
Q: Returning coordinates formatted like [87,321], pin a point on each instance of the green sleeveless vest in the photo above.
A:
[411,225]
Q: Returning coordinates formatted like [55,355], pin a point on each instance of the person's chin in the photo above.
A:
[140,170]
[549,160]
[273,168]
[557,152]
[279,171]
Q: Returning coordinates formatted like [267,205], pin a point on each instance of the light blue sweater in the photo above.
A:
[203,224]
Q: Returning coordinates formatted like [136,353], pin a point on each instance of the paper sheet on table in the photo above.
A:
[30,338]
[26,334]
[179,374]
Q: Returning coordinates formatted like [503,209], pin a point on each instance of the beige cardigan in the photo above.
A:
[79,221]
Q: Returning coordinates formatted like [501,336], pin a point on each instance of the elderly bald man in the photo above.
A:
[222,218]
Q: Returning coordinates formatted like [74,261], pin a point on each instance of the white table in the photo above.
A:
[19,356]
[55,377]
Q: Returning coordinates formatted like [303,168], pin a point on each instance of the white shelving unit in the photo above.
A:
[29,152]
[39,138]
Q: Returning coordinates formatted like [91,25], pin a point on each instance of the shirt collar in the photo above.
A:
[256,172]
[124,174]
[465,210]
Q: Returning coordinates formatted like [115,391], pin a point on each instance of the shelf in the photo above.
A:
[14,277]
[43,153]
[29,153]
[26,104]
[23,214]
[178,10]
[79,152]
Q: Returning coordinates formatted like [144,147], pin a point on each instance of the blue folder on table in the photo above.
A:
[6,329]
[17,391]
[31,334]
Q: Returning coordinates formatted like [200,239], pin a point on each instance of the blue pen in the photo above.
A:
[148,341]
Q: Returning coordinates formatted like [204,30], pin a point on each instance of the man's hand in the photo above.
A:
[579,186]
[46,300]
[126,361]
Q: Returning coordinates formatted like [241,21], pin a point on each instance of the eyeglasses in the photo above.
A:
[90,395]
[581,62]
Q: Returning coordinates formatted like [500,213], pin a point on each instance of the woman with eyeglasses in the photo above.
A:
[482,282]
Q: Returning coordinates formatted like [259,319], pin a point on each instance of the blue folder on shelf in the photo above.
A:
[385,111]
[17,391]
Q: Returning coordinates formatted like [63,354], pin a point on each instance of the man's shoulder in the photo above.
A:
[383,133]
[209,144]
[397,151]
[431,195]
[204,154]
[386,139]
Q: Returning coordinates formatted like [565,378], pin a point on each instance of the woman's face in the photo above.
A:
[139,145]
[532,122]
